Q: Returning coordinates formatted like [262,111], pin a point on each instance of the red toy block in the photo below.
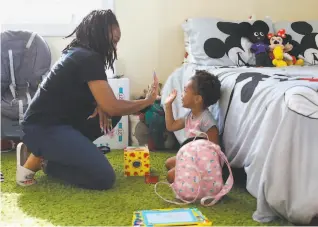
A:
[151,179]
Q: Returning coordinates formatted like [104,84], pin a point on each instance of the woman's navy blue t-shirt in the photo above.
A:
[64,96]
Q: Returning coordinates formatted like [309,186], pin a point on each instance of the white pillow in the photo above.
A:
[217,42]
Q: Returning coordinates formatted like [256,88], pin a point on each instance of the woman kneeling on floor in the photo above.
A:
[73,106]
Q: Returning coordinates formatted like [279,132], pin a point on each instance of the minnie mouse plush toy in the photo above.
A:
[283,41]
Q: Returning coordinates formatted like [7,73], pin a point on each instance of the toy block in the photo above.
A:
[136,161]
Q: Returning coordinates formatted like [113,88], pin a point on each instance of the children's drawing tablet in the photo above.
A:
[170,217]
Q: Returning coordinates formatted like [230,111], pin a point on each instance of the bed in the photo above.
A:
[268,120]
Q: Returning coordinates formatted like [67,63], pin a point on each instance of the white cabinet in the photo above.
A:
[118,138]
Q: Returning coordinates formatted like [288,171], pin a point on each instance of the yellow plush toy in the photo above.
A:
[278,54]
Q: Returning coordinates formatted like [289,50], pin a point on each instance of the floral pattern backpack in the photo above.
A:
[198,174]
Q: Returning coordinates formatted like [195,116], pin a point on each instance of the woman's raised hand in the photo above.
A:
[153,90]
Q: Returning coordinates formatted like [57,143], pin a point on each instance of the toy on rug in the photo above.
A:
[152,178]
[8,145]
[170,217]
[136,161]
[104,149]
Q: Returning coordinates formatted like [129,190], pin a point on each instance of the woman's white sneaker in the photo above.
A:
[24,176]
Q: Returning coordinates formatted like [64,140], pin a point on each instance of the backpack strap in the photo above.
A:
[28,94]
[185,202]
[225,189]
[169,201]
[20,111]
[13,85]
[29,43]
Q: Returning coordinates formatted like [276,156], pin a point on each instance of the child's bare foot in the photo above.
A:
[27,166]
[171,163]
[171,175]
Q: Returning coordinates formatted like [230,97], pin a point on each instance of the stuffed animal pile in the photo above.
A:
[282,51]
[278,50]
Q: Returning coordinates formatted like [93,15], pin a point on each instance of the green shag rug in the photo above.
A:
[51,203]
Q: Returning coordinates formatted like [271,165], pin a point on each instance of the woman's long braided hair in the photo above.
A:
[95,33]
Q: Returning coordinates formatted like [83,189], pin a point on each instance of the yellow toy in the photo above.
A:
[278,54]
[277,50]
[299,62]
[136,161]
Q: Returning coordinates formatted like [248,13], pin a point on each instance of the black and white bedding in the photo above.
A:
[268,118]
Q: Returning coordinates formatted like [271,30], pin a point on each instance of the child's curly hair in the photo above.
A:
[208,86]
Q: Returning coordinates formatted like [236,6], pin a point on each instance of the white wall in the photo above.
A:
[152,37]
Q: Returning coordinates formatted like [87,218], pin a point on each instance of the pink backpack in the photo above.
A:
[198,174]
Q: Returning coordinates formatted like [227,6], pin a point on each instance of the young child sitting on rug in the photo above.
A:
[201,91]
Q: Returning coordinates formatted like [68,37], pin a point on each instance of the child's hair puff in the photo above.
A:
[208,86]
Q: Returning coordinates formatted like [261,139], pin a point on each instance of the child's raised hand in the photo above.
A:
[153,90]
[171,97]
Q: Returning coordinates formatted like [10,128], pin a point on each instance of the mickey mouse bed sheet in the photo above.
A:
[269,121]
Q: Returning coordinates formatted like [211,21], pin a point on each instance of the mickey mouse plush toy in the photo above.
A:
[257,34]
[292,48]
